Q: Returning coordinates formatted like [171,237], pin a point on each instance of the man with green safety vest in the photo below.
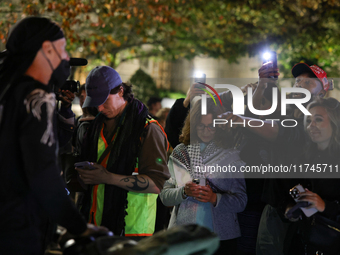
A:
[127,150]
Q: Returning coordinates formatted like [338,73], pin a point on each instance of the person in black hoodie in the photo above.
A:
[32,191]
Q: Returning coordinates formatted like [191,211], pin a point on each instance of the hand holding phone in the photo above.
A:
[295,193]
[86,165]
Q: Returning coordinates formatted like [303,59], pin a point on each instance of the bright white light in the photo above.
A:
[198,74]
[266,56]
[70,242]
[167,102]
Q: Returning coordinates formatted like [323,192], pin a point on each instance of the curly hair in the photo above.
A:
[331,105]
[223,138]
[127,87]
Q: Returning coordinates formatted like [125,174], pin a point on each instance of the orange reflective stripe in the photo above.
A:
[102,135]
[155,121]
[104,163]
[94,206]
[93,210]
[138,234]
[165,135]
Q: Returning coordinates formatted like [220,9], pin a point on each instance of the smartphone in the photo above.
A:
[270,56]
[295,193]
[201,181]
[199,85]
[200,78]
[86,165]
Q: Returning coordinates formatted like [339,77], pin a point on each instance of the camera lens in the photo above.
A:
[71,85]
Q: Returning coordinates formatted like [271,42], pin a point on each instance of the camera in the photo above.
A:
[201,182]
[71,85]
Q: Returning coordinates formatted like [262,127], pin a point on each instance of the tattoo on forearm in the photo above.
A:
[138,183]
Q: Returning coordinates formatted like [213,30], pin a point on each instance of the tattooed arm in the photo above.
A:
[136,183]
[153,170]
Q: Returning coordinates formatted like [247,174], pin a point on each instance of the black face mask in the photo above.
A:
[60,74]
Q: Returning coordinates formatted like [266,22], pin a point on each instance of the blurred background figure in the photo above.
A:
[82,123]
[81,95]
[161,116]
[88,113]
[154,105]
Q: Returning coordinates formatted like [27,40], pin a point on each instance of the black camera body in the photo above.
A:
[71,85]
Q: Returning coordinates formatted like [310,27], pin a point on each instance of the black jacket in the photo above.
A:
[31,189]
[175,121]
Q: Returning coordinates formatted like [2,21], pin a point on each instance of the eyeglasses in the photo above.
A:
[201,127]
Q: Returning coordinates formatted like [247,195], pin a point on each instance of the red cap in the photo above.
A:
[301,68]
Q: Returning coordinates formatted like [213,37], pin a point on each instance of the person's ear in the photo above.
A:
[47,47]
[121,91]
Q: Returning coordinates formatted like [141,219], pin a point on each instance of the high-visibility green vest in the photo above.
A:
[141,208]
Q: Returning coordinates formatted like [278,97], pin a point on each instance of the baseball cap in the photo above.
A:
[98,85]
[318,72]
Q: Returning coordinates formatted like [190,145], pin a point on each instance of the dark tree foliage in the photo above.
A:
[118,30]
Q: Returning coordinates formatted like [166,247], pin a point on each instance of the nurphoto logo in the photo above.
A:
[238,103]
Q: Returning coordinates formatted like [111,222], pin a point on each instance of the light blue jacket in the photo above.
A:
[231,194]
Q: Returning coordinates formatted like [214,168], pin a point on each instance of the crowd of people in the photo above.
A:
[139,169]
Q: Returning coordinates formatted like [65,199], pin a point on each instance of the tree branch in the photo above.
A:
[151,54]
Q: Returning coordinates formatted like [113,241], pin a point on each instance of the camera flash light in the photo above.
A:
[266,56]
[198,74]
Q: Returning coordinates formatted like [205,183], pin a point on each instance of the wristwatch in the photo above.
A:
[184,195]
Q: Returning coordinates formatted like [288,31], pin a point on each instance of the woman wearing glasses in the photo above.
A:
[206,186]
[322,192]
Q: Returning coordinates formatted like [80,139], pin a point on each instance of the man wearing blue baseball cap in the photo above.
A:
[128,149]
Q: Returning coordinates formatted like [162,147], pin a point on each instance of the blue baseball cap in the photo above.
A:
[100,81]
